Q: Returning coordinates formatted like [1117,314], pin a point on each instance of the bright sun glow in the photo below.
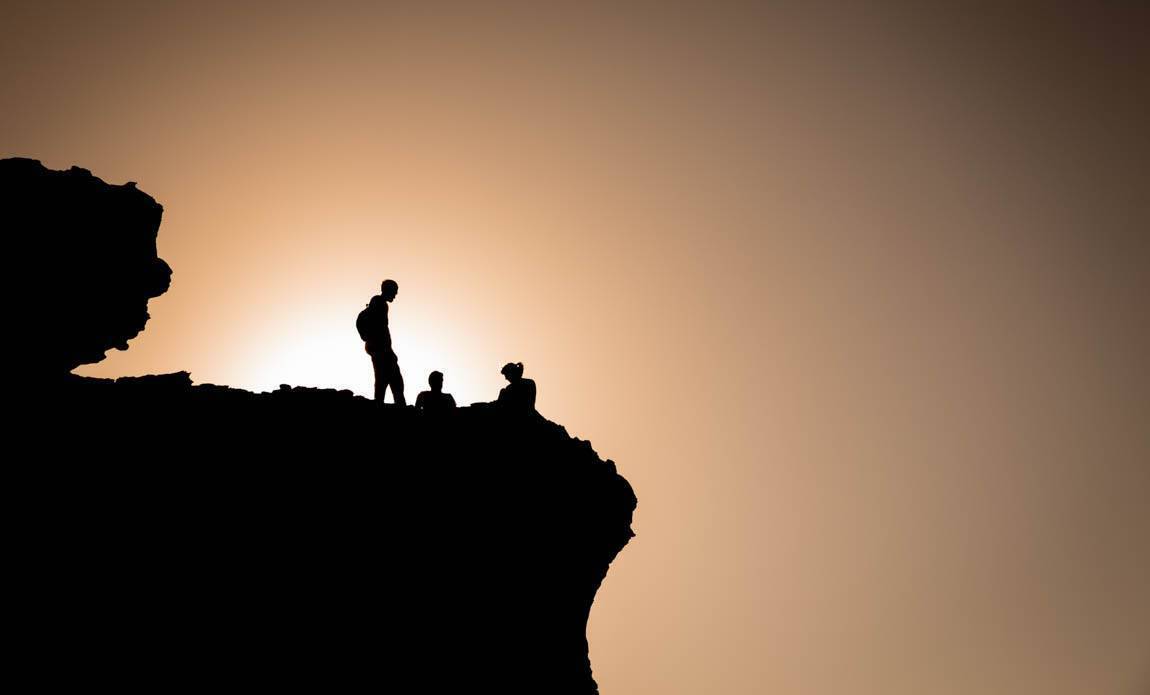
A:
[323,350]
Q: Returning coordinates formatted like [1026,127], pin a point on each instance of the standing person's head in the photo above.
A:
[512,371]
[435,381]
[389,289]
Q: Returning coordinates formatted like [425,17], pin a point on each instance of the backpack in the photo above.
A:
[363,323]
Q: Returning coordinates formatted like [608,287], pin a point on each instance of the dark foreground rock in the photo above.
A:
[177,534]
[164,536]
[84,253]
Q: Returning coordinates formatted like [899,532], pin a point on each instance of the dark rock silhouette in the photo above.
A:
[312,537]
[178,535]
[93,246]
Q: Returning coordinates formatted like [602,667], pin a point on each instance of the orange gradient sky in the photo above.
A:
[856,293]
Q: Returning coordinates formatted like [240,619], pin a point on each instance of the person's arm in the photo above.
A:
[384,326]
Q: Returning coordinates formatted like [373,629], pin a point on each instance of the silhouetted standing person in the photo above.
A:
[519,394]
[435,400]
[373,328]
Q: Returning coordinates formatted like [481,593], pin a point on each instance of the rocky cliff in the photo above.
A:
[86,253]
[173,535]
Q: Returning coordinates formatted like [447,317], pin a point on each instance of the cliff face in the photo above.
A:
[87,253]
[313,536]
[171,534]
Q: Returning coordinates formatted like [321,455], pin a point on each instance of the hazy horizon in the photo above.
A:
[854,295]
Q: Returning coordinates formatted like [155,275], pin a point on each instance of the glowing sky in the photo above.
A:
[856,296]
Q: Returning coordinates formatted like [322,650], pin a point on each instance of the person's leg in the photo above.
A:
[396,384]
[379,366]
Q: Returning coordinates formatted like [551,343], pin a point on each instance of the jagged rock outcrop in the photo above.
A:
[170,535]
[205,534]
[87,253]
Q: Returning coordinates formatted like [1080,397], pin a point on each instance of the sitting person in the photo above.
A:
[435,400]
[520,393]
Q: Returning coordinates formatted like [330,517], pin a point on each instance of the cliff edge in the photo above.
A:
[84,253]
[179,535]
